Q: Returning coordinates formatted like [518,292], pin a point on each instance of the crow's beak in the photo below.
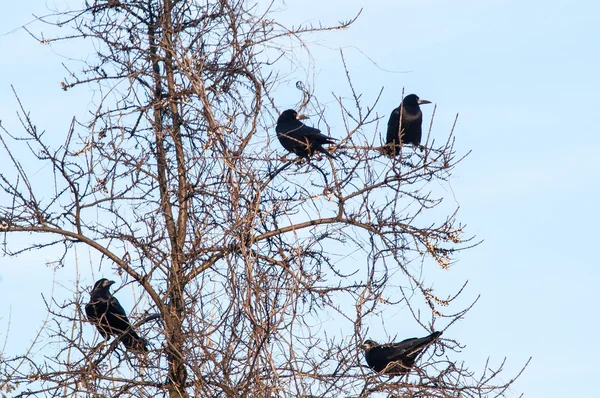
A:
[110,283]
[423,102]
[301,117]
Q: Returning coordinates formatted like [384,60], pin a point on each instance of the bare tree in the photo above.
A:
[259,274]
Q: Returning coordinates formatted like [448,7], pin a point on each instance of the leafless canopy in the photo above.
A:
[259,274]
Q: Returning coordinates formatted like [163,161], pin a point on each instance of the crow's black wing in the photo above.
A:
[313,135]
[396,351]
[90,311]
[94,311]
[116,316]
[410,348]
[120,323]
[393,127]
[301,139]
[98,311]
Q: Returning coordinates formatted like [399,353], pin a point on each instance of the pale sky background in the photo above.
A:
[529,189]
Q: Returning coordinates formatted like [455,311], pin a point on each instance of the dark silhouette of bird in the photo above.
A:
[105,311]
[412,118]
[298,138]
[396,358]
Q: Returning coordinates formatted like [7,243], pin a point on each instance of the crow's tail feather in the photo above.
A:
[133,342]
[324,151]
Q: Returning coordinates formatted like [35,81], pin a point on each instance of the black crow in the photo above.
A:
[105,311]
[396,358]
[298,138]
[412,117]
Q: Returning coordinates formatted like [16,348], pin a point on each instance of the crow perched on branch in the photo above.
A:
[105,311]
[298,138]
[412,118]
[396,358]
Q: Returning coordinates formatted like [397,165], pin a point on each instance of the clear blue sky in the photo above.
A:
[530,187]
